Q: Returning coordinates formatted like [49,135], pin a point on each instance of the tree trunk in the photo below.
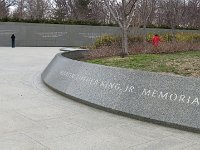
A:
[124,42]
[173,34]
[144,37]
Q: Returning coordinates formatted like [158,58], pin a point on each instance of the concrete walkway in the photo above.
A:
[33,117]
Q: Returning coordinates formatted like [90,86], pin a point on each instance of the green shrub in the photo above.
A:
[187,37]
[183,37]
[164,27]
[106,40]
[186,28]
[168,27]
[56,21]
[166,37]
[134,39]
[196,37]
[149,37]
[85,22]
[179,37]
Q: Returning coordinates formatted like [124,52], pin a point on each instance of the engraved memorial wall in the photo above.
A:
[165,99]
[33,34]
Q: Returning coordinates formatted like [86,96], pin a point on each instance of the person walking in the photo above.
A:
[156,40]
[13,40]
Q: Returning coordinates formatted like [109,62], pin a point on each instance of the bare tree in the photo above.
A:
[36,9]
[31,9]
[98,11]
[61,10]
[169,13]
[194,13]
[19,12]
[146,9]
[4,7]
[82,10]
[123,13]
[173,13]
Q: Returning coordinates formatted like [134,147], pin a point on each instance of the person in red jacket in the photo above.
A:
[156,40]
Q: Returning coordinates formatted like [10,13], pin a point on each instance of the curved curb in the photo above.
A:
[163,99]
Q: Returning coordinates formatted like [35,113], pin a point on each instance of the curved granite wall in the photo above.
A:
[159,98]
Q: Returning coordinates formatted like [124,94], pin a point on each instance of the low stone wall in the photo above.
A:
[159,98]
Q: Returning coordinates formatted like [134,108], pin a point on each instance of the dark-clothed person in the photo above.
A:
[13,40]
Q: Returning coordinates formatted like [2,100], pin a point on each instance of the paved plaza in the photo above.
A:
[33,117]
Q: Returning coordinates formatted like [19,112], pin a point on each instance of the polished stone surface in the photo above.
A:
[33,117]
[34,34]
[165,99]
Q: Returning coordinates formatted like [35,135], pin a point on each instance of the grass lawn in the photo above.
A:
[182,63]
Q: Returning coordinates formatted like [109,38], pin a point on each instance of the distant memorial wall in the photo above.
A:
[34,34]
[160,98]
